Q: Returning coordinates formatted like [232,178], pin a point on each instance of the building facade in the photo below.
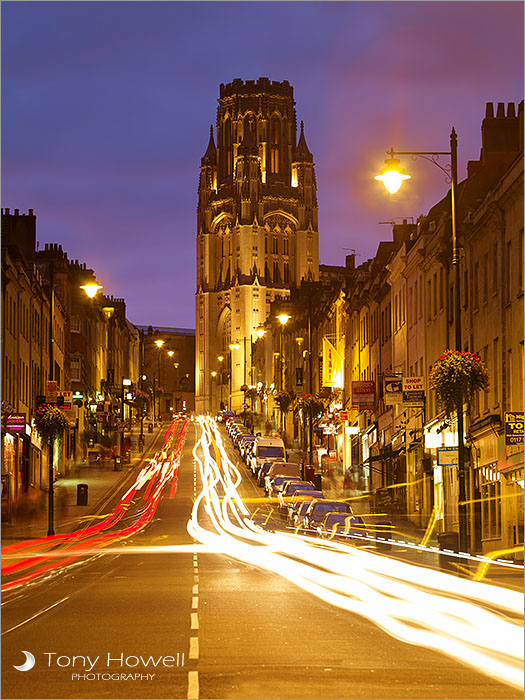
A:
[257,231]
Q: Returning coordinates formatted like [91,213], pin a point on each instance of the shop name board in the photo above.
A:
[51,392]
[514,428]
[413,391]
[363,395]
[447,456]
[393,390]
[16,422]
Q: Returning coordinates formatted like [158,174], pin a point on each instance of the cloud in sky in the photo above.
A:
[107,105]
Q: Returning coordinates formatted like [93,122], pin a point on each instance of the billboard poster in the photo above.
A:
[393,390]
[413,391]
[333,363]
[363,395]
[514,428]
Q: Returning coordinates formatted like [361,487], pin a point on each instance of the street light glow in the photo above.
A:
[284,318]
[159,343]
[234,346]
[392,175]
[260,332]
[91,289]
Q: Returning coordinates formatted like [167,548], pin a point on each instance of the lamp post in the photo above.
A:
[176,365]
[213,374]
[159,344]
[220,358]
[392,176]
[260,332]
[283,319]
[232,346]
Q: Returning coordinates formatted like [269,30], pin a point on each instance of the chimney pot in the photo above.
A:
[489,112]
[30,212]
[501,110]
[510,110]
[17,212]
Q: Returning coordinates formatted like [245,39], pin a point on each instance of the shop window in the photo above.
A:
[490,488]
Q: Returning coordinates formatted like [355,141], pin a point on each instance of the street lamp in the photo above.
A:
[220,358]
[392,176]
[283,319]
[176,365]
[159,344]
[232,346]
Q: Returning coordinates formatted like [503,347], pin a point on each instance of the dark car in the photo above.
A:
[343,527]
[298,499]
[263,471]
[316,513]
[290,488]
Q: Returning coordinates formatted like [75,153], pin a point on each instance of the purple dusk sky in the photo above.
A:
[106,109]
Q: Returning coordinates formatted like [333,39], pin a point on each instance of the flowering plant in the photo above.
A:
[283,399]
[50,421]
[312,404]
[455,376]
[142,399]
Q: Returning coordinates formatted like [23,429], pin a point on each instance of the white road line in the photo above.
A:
[40,612]
[194,621]
[194,647]
[193,685]
[195,602]
[195,590]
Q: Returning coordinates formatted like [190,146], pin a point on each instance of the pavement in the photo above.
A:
[103,482]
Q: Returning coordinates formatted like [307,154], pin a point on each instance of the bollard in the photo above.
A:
[383,529]
[318,482]
[448,540]
[82,494]
[309,473]
[118,464]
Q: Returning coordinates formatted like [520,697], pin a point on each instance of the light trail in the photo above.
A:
[32,559]
[420,606]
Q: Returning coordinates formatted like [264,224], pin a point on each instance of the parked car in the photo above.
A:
[316,512]
[262,472]
[343,527]
[275,483]
[265,449]
[290,488]
[223,416]
[300,513]
[290,468]
[298,499]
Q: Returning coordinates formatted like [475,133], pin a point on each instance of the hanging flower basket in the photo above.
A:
[455,376]
[283,399]
[50,421]
[141,401]
[312,405]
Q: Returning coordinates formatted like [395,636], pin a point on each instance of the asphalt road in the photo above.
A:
[244,632]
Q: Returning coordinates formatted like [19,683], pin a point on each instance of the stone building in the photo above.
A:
[257,232]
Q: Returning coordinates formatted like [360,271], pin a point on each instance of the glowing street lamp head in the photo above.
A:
[392,175]
[171,353]
[260,332]
[214,374]
[284,318]
[234,346]
[159,343]
[91,289]
[220,358]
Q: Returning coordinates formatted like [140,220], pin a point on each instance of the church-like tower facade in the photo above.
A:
[257,231]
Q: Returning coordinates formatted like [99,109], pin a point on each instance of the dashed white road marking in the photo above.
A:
[195,590]
[193,685]
[194,621]
[194,647]
[195,602]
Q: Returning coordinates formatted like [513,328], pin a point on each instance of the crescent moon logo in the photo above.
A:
[28,664]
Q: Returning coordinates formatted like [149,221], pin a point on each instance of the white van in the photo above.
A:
[267,450]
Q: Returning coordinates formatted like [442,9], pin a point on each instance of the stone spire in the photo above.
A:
[211,151]
[302,152]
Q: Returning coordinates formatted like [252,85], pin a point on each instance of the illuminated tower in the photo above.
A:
[257,231]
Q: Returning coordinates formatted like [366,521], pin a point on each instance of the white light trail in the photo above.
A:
[414,604]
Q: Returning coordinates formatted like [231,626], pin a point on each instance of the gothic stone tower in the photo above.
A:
[257,231]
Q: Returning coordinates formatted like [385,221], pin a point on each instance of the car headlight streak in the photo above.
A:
[414,604]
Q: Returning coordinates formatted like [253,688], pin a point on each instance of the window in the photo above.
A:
[520,263]
[490,488]
[276,277]
[429,300]
[76,326]
[266,244]
[485,278]
[495,370]
[509,378]
[286,271]
[495,262]
[228,145]
[485,393]
[435,294]
[275,139]
[441,289]
[275,245]
[465,289]
[410,300]
[420,297]
[75,369]
[508,276]
[475,287]
[285,246]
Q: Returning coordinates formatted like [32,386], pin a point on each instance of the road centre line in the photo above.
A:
[195,602]
[193,685]
[194,621]
[194,648]
[195,589]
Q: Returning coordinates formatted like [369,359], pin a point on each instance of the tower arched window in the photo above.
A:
[227,140]
[249,123]
[275,144]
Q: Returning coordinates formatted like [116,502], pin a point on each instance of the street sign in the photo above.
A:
[514,428]
[447,456]
[413,391]
[343,415]
[393,390]
[51,392]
